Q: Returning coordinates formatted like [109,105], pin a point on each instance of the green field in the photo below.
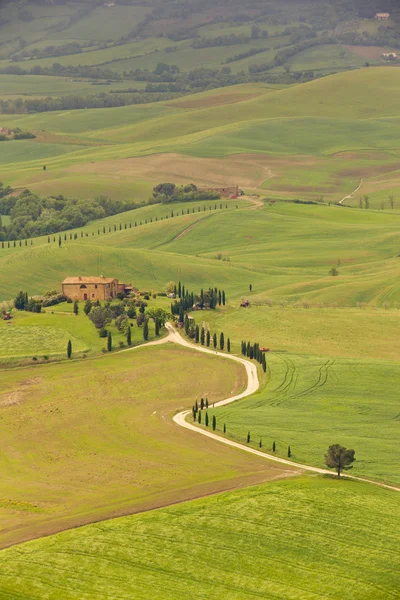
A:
[311,401]
[98,439]
[304,538]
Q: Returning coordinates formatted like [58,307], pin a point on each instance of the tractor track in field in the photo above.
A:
[253,385]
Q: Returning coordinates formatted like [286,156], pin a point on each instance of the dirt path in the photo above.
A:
[352,193]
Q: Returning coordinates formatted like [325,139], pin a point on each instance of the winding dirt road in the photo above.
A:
[253,385]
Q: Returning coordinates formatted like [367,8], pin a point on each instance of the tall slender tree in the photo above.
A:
[146,330]
[129,336]
[69,349]
[221,341]
[202,336]
[228,345]
[214,422]
[76,307]
[215,341]
[208,338]
[109,341]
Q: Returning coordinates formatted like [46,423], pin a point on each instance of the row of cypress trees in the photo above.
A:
[253,352]
[104,229]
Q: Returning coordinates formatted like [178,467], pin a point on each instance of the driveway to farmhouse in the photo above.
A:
[253,384]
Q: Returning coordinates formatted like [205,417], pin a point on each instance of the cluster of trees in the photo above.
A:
[123,313]
[165,193]
[32,215]
[83,71]
[15,134]
[253,351]
[23,302]
[186,301]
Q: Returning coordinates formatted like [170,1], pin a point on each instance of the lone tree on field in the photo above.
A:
[109,341]
[339,458]
[69,349]
[129,336]
[76,307]
[248,438]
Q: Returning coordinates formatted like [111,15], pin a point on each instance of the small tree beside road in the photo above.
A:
[339,458]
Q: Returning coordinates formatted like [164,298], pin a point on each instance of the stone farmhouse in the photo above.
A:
[389,56]
[384,16]
[94,288]
[232,191]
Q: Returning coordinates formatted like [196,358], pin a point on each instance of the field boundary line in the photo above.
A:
[253,385]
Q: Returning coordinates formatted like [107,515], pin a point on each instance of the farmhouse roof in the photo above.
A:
[98,280]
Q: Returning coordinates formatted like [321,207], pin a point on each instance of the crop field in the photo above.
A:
[312,401]
[92,439]
[297,538]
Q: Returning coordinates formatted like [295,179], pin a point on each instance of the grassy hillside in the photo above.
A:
[318,139]
[93,439]
[304,538]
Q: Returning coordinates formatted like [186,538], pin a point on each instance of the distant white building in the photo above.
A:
[389,56]
[382,16]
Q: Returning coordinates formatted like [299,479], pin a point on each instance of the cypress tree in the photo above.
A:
[289,452]
[221,341]
[260,444]
[157,327]
[228,345]
[146,330]
[197,406]
[206,423]
[179,290]
[215,341]
[208,338]
[264,363]
[129,336]
[251,287]
[206,402]
[223,298]
[273,447]
[248,438]
[202,336]
[202,404]
[219,298]
[214,422]
[197,334]
[224,427]
[109,341]
[199,417]
[69,349]
[187,325]
[76,307]
[194,413]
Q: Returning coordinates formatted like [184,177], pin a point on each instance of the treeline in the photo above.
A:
[103,100]
[48,51]
[57,69]
[254,352]
[7,241]
[284,55]
[251,52]
[233,39]
[165,193]
[33,216]
[187,301]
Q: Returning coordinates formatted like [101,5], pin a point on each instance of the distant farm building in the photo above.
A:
[94,288]
[226,192]
[5,131]
[384,16]
[389,56]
